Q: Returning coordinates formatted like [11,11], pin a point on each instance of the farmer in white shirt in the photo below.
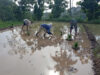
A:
[26,22]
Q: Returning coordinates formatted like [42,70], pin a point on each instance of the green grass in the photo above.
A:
[55,28]
[96,51]
[9,23]
[95,28]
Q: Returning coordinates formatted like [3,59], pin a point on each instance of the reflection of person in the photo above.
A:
[46,28]
[26,22]
[73,24]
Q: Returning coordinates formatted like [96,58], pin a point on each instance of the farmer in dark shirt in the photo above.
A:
[46,28]
[73,24]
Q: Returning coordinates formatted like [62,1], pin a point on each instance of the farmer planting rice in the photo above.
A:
[46,28]
[26,22]
[73,25]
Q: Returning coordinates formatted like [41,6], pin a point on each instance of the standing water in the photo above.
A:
[24,55]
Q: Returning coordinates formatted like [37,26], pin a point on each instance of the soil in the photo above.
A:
[91,37]
[96,65]
[94,44]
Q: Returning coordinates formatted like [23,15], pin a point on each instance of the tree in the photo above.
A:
[35,13]
[98,1]
[23,9]
[7,10]
[38,9]
[58,6]
[91,8]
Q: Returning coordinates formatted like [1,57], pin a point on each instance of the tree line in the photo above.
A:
[91,8]
[34,9]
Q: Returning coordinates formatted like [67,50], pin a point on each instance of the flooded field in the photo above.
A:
[21,54]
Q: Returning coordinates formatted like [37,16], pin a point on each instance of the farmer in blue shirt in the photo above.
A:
[46,28]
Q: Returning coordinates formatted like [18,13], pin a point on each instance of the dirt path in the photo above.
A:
[94,45]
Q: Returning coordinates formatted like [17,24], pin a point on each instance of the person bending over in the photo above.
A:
[46,28]
[26,23]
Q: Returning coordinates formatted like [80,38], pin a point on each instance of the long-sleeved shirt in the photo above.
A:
[47,27]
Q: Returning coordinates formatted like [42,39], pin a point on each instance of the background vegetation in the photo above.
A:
[88,11]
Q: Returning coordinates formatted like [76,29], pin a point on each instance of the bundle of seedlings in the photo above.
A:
[69,38]
[75,46]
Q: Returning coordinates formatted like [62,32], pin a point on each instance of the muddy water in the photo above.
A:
[24,55]
[98,38]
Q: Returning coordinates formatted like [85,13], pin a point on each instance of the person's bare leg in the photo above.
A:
[37,34]
[70,31]
[75,30]
[22,28]
[27,28]
[38,31]
[44,32]
[44,35]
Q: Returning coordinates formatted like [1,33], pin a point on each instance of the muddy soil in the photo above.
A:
[22,54]
[94,45]
[96,65]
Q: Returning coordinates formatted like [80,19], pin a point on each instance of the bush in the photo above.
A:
[59,19]
[96,21]
[66,19]
[81,20]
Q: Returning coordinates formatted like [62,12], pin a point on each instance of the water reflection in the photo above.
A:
[21,43]
[52,72]
[64,62]
[18,46]
[98,38]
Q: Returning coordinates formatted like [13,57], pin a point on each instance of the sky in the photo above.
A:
[74,2]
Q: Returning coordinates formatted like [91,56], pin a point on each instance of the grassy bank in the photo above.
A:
[96,59]
[94,28]
[8,24]
[96,52]
[79,19]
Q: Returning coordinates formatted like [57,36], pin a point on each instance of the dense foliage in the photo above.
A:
[58,6]
[38,9]
[7,10]
[91,8]
[17,10]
